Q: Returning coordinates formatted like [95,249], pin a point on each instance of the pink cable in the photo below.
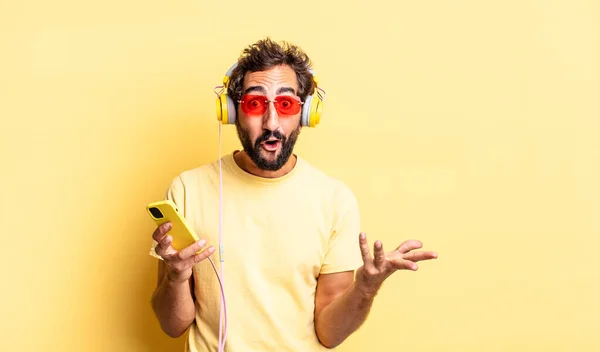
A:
[223,308]
[222,305]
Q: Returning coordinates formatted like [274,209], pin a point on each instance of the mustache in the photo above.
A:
[269,134]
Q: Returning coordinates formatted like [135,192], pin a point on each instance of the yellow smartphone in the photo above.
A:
[166,211]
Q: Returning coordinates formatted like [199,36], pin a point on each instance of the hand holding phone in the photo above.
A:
[177,243]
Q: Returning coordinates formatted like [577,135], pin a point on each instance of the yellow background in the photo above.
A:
[470,125]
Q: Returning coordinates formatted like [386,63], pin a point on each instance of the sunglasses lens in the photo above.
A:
[287,105]
[253,104]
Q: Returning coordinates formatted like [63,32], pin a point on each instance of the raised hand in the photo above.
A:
[179,263]
[381,265]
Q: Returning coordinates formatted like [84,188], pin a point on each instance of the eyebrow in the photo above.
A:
[264,91]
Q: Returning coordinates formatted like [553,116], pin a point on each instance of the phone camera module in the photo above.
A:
[156,213]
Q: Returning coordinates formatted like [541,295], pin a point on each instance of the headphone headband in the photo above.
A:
[228,74]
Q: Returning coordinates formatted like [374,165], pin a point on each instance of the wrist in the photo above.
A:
[366,292]
[176,280]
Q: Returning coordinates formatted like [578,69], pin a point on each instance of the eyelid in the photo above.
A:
[294,97]
[291,96]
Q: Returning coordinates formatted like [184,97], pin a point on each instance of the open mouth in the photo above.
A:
[271,145]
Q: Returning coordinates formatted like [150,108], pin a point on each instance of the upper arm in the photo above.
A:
[330,287]
[343,254]
[343,248]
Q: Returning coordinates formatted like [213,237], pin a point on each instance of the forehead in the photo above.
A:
[271,80]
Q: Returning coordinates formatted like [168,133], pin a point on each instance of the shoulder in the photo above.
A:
[192,180]
[332,187]
[192,176]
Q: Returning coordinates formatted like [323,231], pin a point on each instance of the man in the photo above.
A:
[291,234]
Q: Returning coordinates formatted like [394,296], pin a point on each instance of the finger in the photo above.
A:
[197,258]
[409,245]
[164,248]
[418,256]
[379,254]
[402,264]
[161,231]
[191,250]
[364,248]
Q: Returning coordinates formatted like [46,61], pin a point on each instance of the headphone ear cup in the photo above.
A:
[225,109]
[221,108]
[306,108]
[316,109]
[311,111]
[230,110]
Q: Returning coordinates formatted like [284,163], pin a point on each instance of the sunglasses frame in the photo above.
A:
[275,103]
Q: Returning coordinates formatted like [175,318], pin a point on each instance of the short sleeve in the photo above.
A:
[344,251]
[176,194]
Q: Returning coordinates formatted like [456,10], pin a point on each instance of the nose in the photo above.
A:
[271,118]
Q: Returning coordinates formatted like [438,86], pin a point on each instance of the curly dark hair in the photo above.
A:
[266,54]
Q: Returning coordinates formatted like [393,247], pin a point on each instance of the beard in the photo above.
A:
[254,149]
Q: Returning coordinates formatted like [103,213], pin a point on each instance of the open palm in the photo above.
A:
[381,265]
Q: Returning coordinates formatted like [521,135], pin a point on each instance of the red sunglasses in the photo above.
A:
[285,105]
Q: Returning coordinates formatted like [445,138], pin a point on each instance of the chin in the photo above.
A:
[270,156]
[270,161]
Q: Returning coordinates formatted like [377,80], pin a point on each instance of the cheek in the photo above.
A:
[252,126]
[290,125]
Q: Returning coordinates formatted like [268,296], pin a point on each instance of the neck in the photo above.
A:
[246,164]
